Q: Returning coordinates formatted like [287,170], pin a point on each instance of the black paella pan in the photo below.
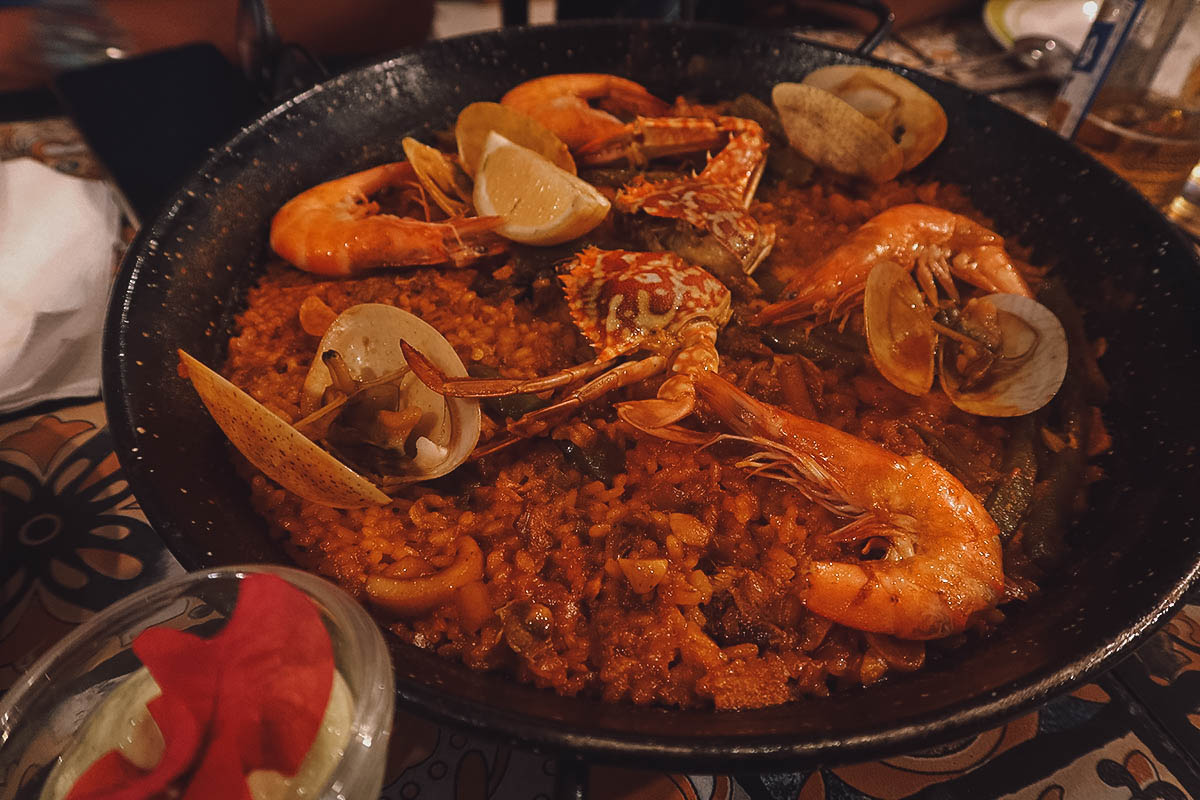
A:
[1135,548]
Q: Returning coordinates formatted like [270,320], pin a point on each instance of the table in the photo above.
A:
[72,540]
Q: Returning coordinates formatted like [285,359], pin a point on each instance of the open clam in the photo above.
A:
[1020,372]
[907,114]
[377,426]
[900,331]
[831,133]
[1001,355]
[860,121]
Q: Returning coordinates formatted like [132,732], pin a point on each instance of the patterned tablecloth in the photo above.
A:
[73,540]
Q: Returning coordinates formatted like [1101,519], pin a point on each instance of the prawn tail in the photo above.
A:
[469,239]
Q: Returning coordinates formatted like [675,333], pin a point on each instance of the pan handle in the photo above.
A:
[884,19]
[274,68]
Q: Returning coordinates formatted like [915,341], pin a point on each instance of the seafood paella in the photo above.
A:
[665,403]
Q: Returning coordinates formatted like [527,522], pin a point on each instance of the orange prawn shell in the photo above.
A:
[560,102]
[335,229]
[900,234]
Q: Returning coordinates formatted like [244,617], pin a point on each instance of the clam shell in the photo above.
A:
[1030,369]
[905,112]
[832,133]
[284,454]
[900,331]
[477,120]
[368,339]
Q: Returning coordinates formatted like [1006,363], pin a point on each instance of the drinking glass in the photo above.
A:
[42,713]
[1133,98]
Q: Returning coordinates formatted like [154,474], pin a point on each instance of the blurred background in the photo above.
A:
[39,38]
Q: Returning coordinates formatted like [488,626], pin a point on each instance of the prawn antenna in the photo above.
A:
[781,463]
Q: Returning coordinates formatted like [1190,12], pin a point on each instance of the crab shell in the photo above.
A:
[709,209]
[624,301]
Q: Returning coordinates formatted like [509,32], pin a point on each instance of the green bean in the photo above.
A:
[786,163]
[512,406]
[947,454]
[603,459]
[750,107]
[825,345]
[782,161]
[1010,498]
[1040,486]
[1050,512]
[1054,296]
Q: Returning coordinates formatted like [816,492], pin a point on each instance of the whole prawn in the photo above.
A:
[335,229]
[937,242]
[563,104]
[944,564]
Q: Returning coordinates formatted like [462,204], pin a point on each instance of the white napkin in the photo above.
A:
[58,236]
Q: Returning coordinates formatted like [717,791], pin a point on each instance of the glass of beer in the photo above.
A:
[1133,97]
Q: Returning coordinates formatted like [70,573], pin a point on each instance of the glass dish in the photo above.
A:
[41,713]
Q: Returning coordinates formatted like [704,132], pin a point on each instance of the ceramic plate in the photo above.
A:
[1065,20]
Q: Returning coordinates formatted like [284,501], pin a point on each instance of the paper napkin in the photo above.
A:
[58,239]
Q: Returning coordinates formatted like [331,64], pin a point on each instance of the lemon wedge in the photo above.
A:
[538,202]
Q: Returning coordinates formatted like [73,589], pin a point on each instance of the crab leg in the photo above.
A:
[444,385]
[648,138]
[677,396]
[626,374]
[536,422]
[714,203]
[740,164]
